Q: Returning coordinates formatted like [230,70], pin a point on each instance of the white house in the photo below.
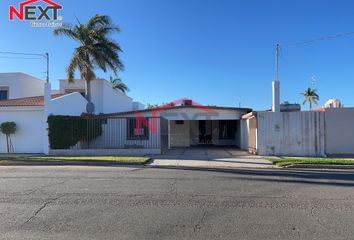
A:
[28,101]
[19,85]
[105,98]
[153,131]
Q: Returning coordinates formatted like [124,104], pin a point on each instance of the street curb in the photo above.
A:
[72,163]
[320,166]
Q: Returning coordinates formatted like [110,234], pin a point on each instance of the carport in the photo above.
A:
[211,126]
[187,133]
[188,125]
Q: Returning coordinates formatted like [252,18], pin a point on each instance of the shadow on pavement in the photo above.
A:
[306,176]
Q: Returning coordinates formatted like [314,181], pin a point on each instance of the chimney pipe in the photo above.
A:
[276,96]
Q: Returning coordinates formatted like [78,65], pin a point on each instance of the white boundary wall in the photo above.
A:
[291,133]
[30,125]
[340,131]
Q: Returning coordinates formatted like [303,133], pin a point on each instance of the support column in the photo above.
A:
[46,113]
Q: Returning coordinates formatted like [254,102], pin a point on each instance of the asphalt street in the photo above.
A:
[67,202]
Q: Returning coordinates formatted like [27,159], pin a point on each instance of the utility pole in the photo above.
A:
[47,58]
[277,63]
[276,83]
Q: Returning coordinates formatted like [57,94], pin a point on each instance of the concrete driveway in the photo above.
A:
[210,158]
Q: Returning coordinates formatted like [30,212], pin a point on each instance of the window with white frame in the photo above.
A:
[4,93]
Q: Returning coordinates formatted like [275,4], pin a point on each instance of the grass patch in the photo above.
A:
[110,159]
[284,161]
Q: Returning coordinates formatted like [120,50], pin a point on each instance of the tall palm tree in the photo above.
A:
[95,50]
[117,83]
[311,97]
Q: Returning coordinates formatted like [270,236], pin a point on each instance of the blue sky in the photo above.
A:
[217,52]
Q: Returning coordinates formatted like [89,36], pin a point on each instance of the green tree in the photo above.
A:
[117,83]
[95,50]
[8,128]
[311,97]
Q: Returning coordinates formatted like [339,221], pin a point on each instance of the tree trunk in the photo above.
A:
[90,107]
[310,105]
[88,90]
[7,143]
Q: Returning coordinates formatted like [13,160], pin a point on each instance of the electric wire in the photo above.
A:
[329,37]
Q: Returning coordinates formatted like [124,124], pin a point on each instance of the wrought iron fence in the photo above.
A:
[110,133]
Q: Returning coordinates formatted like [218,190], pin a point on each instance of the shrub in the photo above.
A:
[8,128]
[67,131]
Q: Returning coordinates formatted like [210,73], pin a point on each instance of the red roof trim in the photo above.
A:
[36,101]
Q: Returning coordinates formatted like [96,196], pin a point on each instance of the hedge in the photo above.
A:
[67,131]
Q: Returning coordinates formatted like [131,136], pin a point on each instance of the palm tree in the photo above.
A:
[96,50]
[117,83]
[311,97]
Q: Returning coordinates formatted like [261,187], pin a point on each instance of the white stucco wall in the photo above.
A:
[200,114]
[21,85]
[192,113]
[31,122]
[180,134]
[73,104]
[291,133]
[105,98]
[29,135]
[244,134]
[340,131]
[114,100]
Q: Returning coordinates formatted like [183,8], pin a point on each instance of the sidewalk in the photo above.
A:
[210,158]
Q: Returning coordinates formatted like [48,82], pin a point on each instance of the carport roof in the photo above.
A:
[247,110]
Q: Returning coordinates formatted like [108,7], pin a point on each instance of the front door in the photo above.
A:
[205,132]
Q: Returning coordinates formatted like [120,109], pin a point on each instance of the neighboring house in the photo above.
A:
[333,103]
[30,117]
[19,85]
[28,101]
[105,98]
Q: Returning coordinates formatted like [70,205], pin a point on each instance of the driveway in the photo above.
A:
[210,158]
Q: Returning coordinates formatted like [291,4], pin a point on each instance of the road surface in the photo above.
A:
[149,203]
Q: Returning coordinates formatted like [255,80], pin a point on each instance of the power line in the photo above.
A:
[4,57]
[279,47]
[24,54]
[329,37]
[46,56]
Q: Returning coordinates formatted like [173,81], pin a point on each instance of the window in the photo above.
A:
[137,129]
[227,130]
[179,122]
[4,93]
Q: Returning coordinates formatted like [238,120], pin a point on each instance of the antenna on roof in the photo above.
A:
[313,81]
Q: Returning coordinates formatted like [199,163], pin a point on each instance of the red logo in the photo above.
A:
[36,12]
[143,121]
